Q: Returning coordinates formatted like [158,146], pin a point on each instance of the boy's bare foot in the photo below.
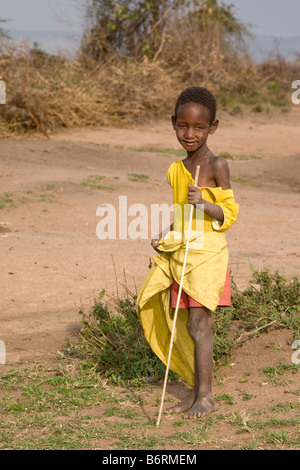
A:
[201,407]
[184,405]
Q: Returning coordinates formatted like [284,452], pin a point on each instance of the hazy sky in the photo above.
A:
[270,17]
[43,15]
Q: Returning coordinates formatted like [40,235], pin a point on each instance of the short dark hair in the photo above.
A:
[198,95]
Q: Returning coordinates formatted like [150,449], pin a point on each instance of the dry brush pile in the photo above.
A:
[114,82]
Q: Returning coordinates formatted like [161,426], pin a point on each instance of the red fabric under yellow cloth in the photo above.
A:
[187,301]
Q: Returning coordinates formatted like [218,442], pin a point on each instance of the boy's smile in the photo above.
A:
[193,126]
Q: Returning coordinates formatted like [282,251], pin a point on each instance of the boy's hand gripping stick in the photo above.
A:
[178,300]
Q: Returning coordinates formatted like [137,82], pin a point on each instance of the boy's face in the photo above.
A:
[193,126]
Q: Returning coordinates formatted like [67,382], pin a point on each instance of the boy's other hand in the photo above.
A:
[154,244]
[194,195]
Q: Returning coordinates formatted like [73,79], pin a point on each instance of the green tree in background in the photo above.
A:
[130,28]
[3,33]
[137,28]
[211,16]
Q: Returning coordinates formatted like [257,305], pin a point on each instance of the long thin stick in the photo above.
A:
[177,303]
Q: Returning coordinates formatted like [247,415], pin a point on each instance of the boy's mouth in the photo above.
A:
[189,143]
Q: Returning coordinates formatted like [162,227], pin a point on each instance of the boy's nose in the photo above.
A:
[189,133]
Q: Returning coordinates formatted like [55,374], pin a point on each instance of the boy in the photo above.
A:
[206,282]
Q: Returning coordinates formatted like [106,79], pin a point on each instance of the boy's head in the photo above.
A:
[198,95]
[194,118]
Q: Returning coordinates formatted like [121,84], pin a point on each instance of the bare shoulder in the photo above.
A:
[219,163]
[221,172]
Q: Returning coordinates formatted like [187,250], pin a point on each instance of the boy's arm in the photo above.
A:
[155,240]
[222,179]
[195,197]
[222,173]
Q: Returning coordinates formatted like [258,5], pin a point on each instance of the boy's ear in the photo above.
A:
[173,119]
[214,126]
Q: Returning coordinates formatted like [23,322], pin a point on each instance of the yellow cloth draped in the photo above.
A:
[204,277]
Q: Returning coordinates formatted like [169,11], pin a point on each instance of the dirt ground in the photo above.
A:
[52,262]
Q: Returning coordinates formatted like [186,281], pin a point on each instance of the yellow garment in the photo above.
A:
[204,277]
[179,178]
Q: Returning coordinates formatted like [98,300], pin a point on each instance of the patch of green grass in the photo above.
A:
[282,437]
[46,197]
[121,411]
[163,151]
[275,373]
[40,408]
[246,396]
[230,156]
[64,407]
[7,200]
[224,397]
[245,378]
[50,187]
[267,427]
[197,434]
[95,182]
[138,442]
[45,194]
[65,148]
[137,177]
[47,394]
[242,180]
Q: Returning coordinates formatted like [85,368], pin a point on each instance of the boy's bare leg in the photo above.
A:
[201,402]
[201,331]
